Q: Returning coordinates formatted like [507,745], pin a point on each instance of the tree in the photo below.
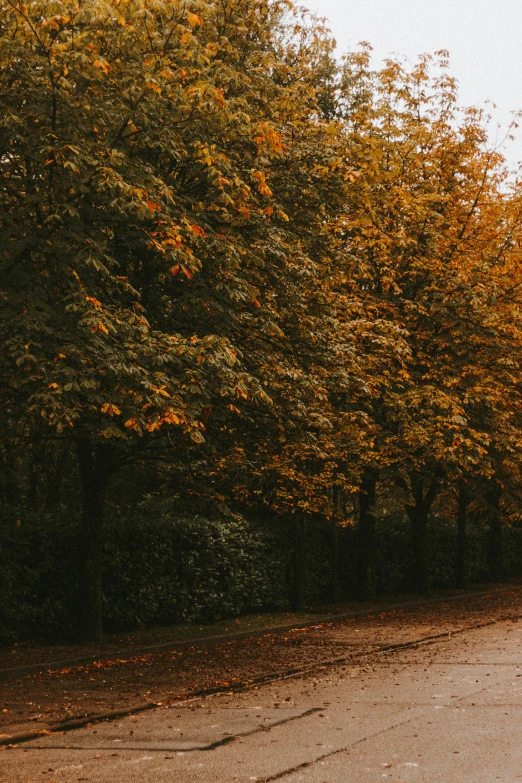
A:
[167,244]
[431,233]
[115,185]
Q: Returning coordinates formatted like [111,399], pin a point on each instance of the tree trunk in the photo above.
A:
[94,466]
[339,513]
[55,476]
[495,553]
[34,476]
[366,537]
[461,549]
[37,469]
[334,567]
[297,598]
[418,513]
[419,581]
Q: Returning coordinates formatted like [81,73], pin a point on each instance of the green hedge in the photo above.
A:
[160,568]
[164,567]
[394,553]
[38,567]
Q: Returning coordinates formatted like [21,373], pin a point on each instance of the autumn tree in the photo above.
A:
[292,281]
[134,140]
[430,231]
[171,176]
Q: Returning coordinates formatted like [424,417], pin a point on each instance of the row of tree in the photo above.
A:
[290,284]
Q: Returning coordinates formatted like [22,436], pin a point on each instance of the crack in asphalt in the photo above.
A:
[346,748]
[418,706]
[307,764]
[211,746]
[266,678]
[455,663]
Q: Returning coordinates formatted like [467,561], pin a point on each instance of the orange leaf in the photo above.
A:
[111,409]
[194,20]
[162,391]
[154,86]
[220,98]
[171,418]
[264,189]
[103,66]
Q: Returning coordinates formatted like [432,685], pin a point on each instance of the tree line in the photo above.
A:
[241,272]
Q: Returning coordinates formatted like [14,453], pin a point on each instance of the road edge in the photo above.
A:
[12,740]
[205,641]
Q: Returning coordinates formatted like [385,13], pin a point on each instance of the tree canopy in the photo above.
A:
[294,280]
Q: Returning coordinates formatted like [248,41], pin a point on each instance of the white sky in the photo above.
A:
[484,39]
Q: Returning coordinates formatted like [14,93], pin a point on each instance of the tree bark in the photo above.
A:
[495,553]
[418,513]
[297,598]
[55,477]
[37,470]
[94,468]
[335,561]
[461,548]
[339,513]
[366,538]
[34,476]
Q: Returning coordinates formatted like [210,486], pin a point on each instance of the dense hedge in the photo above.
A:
[162,567]
[38,569]
[169,569]
[394,550]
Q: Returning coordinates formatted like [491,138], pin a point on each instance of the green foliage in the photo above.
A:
[38,575]
[164,568]
[160,568]
[246,275]
[395,556]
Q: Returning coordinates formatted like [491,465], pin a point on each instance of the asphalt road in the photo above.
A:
[448,712]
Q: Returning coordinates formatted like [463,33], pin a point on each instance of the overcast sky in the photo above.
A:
[484,38]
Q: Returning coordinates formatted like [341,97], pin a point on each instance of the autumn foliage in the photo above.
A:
[242,273]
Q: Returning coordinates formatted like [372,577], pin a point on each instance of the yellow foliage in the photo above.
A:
[103,65]
[111,409]
[194,20]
